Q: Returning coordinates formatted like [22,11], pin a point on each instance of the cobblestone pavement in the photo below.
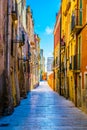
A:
[45,110]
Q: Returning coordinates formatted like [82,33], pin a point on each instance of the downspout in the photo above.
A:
[76,56]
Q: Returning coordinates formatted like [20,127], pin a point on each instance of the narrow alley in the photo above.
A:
[44,109]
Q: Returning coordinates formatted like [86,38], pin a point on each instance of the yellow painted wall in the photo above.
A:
[69,40]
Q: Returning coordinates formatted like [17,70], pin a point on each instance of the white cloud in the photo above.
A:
[48,30]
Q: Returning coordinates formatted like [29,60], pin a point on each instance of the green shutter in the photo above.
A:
[79,52]
[80,13]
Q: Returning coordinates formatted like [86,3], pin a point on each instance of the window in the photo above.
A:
[79,53]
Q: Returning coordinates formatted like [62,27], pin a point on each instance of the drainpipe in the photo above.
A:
[76,56]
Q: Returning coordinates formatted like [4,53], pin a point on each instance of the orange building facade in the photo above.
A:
[82,57]
[51,80]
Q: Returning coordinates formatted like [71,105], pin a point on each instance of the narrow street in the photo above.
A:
[45,110]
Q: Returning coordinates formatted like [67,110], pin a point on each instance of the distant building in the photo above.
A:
[42,63]
[49,64]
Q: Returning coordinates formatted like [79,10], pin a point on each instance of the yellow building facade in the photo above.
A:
[63,49]
[73,29]
[70,45]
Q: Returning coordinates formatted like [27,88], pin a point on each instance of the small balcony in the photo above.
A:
[62,43]
[14,10]
[76,23]
[56,63]
[20,39]
[75,63]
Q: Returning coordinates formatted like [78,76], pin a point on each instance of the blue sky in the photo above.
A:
[44,15]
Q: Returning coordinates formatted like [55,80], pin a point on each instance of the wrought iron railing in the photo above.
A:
[76,19]
[75,63]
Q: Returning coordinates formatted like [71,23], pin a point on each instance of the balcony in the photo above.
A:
[56,63]
[76,24]
[75,63]
[14,10]
[62,43]
[20,39]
